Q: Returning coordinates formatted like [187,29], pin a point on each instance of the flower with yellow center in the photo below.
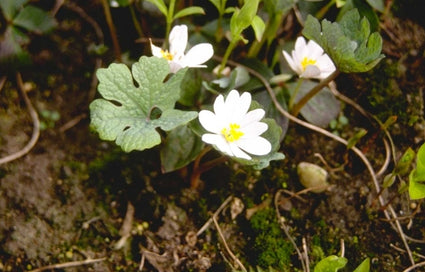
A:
[233,129]
[176,56]
[309,61]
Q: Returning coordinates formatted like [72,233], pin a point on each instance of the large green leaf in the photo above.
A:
[11,7]
[348,42]
[126,112]
[180,148]
[34,19]
[322,108]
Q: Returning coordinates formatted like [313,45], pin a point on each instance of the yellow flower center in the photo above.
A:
[167,55]
[306,62]
[232,133]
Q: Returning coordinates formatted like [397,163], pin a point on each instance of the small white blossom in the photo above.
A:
[309,61]
[176,56]
[233,130]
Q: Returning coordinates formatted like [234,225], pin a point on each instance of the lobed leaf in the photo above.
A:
[348,42]
[124,114]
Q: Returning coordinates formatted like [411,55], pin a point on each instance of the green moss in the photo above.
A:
[270,246]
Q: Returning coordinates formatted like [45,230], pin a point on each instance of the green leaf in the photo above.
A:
[180,148]
[242,19]
[417,176]
[404,163]
[216,3]
[12,56]
[356,138]
[190,87]
[330,264]
[34,19]
[160,5]
[322,108]
[11,7]
[125,112]
[259,27]
[364,266]
[377,4]
[348,42]
[189,11]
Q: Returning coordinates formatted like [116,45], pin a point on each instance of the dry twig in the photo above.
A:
[69,264]
[36,125]
[235,259]
[208,223]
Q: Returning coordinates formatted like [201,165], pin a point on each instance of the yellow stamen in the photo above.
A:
[232,133]
[167,55]
[306,62]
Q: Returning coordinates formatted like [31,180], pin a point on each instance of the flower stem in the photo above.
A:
[111,26]
[297,107]
[226,56]
[169,21]
[294,94]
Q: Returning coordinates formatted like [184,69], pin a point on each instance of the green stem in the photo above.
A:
[323,10]
[294,94]
[226,56]
[111,26]
[169,20]
[297,107]
[136,22]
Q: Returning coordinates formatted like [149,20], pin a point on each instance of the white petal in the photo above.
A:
[178,40]
[254,130]
[198,55]
[220,108]
[252,116]
[325,63]
[156,51]
[174,66]
[314,50]
[237,152]
[300,44]
[218,141]
[290,62]
[237,106]
[311,71]
[209,121]
[256,146]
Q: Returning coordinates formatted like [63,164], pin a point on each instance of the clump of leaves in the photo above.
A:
[20,19]
[348,42]
[270,246]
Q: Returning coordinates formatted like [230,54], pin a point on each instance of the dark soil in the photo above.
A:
[68,198]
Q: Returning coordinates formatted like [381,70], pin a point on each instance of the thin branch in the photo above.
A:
[226,246]
[411,268]
[36,125]
[208,223]
[285,228]
[69,264]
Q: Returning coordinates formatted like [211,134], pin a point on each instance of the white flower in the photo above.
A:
[234,130]
[309,61]
[176,57]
